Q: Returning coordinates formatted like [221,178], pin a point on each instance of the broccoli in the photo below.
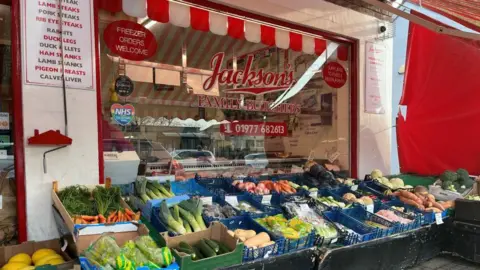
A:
[449,176]
[452,188]
[464,178]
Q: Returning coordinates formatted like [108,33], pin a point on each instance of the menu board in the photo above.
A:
[375,78]
[58,43]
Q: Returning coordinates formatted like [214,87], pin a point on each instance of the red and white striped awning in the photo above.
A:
[180,14]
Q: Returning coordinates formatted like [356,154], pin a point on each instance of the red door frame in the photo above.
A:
[19,147]
[354,69]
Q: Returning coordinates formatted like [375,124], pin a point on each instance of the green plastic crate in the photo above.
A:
[415,180]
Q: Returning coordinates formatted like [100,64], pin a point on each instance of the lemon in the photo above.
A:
[46,259]
[55,261]
[42,253]
[28,268]
[14,266]
[21,258]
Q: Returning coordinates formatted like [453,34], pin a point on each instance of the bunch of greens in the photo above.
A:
[77,200]
[106,199]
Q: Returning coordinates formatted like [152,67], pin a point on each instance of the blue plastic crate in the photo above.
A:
[147,208]
[427,217]
[126,189]
[362,215]
[220,186]
[328,193]
[251,254]
[416,218]
[374,189]
[361,232]
[221,202]
[191,188]
[86,265]
[254,201]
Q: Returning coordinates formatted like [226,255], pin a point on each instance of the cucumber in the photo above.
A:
[185,245]
[212,244]
[205,249]
[223,248]
[198,254]
[187,251]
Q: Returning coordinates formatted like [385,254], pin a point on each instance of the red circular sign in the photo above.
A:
[334,75]
[130,40]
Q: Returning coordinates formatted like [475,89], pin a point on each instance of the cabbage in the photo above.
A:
[376,174]
[397,183]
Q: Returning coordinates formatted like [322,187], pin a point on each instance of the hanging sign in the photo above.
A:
[334,74]
[58,43]
[253,128]
[130,40]
[375,77]
[122,114]
[124,86]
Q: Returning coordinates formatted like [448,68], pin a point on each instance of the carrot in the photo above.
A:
[128,218]
[114,219]
[129,212]
[88,218]
[94,222]
[101,218]
[120,216]
[112,214]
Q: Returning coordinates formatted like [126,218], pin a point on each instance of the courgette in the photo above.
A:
[185,245]
[198,254]
[212,244]
[187,251]
[205,249]
[222,247]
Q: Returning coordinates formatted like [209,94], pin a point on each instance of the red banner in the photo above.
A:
[253,128]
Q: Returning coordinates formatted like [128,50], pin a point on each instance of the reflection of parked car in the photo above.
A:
[257,160]
[191,157]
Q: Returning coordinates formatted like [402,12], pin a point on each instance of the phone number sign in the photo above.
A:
[253,128]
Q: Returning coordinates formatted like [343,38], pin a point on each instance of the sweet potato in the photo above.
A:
[410,196]
[433,209]
[431,198]
[411,202]
[439,206]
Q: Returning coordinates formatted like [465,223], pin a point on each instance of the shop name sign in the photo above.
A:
[256,82]
[205,101]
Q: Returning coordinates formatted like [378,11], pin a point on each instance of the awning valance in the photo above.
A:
[180,14]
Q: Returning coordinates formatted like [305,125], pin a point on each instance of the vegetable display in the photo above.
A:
[101,205]
[266,187]
[330,201]
[422,200]
[457,181]
[291,229]
[186,217]
[149,190]
[391,216]
[203,249]
[143,251]
[216,211]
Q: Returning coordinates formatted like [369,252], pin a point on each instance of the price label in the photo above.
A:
[207,200]
[232,200]
[354,187]
[370,208]
[438,218]
[266,199]
[110,156]
[314,194]
[304,207]
[3,154]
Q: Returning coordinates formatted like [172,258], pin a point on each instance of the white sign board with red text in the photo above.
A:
[49,25]
[375,77]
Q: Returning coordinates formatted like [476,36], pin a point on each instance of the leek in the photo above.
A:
[187,216]
[195,207]
[163,190]
[187,226]
[167,218]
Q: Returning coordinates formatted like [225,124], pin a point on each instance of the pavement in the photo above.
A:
[446,262]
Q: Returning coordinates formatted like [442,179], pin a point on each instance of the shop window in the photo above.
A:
[192,105]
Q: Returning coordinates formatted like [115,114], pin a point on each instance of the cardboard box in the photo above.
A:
[29,248]
[84,234]
[216,231]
